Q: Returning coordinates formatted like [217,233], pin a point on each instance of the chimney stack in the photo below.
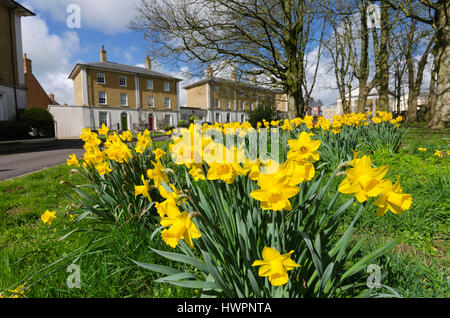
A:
[233,75]
[254,79]
[52,97]
[209,72]
[148,63]
[27,64]
[103,54]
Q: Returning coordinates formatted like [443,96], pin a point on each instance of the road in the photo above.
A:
[19,160]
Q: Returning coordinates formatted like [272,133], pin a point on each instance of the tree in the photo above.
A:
[437,14]
[266,38]
[265,111]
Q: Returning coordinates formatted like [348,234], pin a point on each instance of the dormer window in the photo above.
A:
[101,78]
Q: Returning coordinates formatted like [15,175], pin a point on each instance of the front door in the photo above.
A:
[124,121]
[150,122]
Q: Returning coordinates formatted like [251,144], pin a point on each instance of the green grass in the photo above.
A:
[418,267]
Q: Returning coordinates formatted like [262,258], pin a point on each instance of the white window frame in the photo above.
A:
[170,119]
[125,78]
[101,75]
[251,106]
[106,98]
[126,99]
[217,102]
[166,86]
[228,104]
[165,105]
[242,105]
[153,101]
[148,86]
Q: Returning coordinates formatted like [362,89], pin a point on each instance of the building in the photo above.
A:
[123,97]
[422,100]
[228,100]
[329,111]
[13,92]
[314,108]
[36,95]
[371,103]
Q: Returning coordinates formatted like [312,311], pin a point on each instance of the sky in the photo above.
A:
[55,46]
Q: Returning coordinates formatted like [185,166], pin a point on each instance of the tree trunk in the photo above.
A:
[383,60]
[441,115]
[431,108]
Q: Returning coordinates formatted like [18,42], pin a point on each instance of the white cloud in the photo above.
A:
[107,16]
[50,54]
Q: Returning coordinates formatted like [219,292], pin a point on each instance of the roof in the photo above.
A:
[21,9]
[224,80]
[120,68]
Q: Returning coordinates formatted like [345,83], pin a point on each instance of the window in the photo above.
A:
[123,81]
[227,91]
[242,118]
[102,98]
[168,119]
[217,118]
[217,89]
[251,106]
[123,99]
[102,119]
[217,103]
[242,93]
[242,105]
[166,86]
[166,102]
[101,78]
[150,85]
[228,104]
[228,118]
[150,101]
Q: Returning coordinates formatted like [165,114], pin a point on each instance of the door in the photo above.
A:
[124,121]
[150,122]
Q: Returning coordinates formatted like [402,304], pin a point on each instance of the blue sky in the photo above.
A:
[55,48]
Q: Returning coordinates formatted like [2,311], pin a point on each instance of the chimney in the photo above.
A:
[148,63]
[52,97]
[27,64]
[254,80]
[233,75]
[209,72]
[103,54]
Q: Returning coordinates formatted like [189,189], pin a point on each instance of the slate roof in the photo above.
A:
[121,68]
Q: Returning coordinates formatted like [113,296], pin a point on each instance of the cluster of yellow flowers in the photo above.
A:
[19,292]
[386,117]
[364,182]
[179,224]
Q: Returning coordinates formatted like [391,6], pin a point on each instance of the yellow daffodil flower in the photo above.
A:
[157,174]
[181,227]
[104,130]
[143,189]
[275,266]
[303,149]
[392,199]
[103,168]
[159,153]
[73,161]
[48,216]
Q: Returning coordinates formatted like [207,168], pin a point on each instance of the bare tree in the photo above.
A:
[270,38]
[437,14]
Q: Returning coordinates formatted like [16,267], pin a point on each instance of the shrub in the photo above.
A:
[13,130]
[193,119]
[40,120]
[183,123]
[264,112]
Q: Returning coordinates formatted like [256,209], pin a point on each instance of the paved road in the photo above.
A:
[17,162]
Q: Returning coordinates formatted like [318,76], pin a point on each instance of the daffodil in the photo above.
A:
[126,136]
[73,161]
[197,174]
[103,168]
[422,149]
[159,153]
[48,216]
[226,172]
[143,189]
[392,199]
[274,192]
[303,149]
[157,174]
[275,266]
[439,153]
[104,130]
[363,180]
[180,227]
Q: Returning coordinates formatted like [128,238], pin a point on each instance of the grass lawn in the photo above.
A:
[418,267]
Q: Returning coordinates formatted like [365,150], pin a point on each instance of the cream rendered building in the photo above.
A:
[120,96]
[228,100]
